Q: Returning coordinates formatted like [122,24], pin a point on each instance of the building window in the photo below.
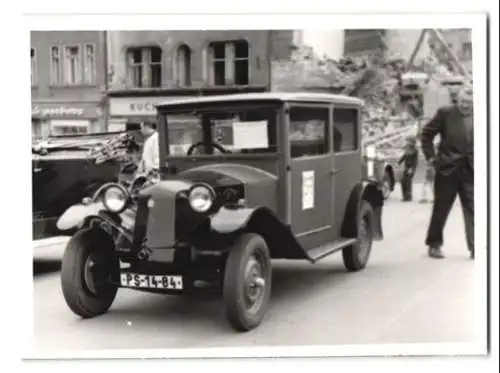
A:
[55,65]
[144,67]
[89,76]
[345,130]
[33,67]
[72,65]
[183,66]
[467,50]
[308,131]
[229,63]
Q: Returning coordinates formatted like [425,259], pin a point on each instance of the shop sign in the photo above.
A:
[58,110]
[136,106]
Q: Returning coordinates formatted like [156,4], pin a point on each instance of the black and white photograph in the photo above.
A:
[258,191]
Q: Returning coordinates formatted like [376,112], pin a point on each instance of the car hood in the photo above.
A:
[256,186]
[227,174]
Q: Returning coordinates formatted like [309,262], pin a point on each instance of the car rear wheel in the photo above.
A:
[88,266]
[247,282]
[356,256]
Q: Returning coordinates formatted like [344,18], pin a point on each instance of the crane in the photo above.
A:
[448,56]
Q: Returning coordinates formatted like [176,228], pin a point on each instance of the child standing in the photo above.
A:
[409,159]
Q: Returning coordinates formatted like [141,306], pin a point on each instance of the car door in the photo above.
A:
[312,173]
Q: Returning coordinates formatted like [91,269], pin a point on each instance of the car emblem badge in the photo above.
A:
[151,203]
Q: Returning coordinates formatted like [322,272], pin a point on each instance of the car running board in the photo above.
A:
[323,251]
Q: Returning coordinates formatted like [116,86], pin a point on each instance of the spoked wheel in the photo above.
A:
[247,282]
[87,270]
[357,255]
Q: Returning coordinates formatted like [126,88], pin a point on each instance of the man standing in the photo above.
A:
[151,151]
[454,165]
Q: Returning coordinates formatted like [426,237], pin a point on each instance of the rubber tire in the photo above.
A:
[77,297]
[352,262]
[245,246]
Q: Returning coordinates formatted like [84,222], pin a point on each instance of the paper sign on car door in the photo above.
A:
[307,190]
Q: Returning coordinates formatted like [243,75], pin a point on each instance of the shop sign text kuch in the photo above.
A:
[136,106]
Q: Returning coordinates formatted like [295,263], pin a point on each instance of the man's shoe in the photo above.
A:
[436,253]
[471,255]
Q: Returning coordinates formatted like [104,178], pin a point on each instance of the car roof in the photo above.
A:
[266,96]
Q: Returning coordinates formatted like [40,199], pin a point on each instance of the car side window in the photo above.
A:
[308,131]
[345,130]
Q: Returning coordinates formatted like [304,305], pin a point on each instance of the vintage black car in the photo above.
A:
[67,169]
[244,179]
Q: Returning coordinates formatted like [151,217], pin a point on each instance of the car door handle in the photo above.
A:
[334,171]
[37,169]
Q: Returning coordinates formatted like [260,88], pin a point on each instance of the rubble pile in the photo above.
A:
[374,80]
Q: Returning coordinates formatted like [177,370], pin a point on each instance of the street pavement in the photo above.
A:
[402,296]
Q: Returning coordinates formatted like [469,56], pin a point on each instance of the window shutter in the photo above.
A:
[147,63]
[130,68]
[229,62]
[208,65]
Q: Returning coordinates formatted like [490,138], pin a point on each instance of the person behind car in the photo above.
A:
[151,151]
[409,159]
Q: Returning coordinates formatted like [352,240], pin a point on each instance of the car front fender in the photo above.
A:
[261,220]
[231,220]
[74,216]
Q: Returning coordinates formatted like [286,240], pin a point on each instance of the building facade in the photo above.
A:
[67,82]
[383,43]
[364,42]
[149,67]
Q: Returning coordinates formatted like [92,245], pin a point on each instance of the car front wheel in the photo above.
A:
[356,256]
[247,282]
[88,266]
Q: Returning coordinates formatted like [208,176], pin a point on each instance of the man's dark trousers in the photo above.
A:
[446,189]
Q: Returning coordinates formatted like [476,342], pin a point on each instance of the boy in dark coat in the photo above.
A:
[409,159]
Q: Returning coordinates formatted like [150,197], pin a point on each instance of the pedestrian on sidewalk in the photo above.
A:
[454,165]
[409,159]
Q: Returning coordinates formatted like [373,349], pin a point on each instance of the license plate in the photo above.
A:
[133,280]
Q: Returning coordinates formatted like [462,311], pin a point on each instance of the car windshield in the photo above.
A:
[249,130]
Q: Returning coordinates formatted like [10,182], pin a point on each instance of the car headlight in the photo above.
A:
[115,199]
[201,197]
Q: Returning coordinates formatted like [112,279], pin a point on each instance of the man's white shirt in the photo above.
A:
[151,153]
